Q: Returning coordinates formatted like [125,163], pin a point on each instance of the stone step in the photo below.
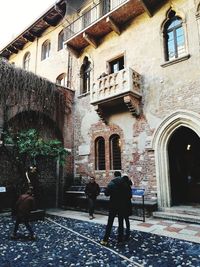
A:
[176,216]
[189,210]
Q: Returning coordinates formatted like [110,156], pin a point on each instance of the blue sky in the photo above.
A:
[17,15]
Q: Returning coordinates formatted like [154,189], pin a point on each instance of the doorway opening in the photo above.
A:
[184,166]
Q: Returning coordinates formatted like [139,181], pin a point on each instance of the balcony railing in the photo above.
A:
[92,15]
[116,84]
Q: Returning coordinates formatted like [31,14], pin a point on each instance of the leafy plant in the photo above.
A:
[28,144]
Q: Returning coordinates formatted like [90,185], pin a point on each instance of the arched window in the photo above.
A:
[85,76]
[46,47]
[26,60]
[115,152]
[62,79]
[60,40]
[100,154]
[174,37]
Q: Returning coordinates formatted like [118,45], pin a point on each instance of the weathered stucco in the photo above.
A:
[164,90]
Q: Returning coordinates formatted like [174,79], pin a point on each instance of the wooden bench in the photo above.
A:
[75,198]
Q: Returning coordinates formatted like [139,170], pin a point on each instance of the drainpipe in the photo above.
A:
[36,55]
[57,182]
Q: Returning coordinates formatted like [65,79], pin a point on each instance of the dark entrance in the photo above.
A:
[184,165]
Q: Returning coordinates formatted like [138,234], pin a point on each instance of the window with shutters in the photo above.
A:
[61,40]
[46,47]
[100,154]
[115,152]
[26,61]
[174,37]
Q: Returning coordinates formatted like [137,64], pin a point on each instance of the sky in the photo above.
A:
[16,15]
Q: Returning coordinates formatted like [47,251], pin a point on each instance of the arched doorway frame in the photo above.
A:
[160,142]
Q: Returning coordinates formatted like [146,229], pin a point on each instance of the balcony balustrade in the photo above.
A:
[122,87]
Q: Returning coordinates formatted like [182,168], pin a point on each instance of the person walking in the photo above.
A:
[92,190]
[117,189]
[24,205]
[33,182]
[128,207]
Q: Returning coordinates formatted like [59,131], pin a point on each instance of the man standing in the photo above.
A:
[92,190]
[24,205]
[117,189]
[128,209]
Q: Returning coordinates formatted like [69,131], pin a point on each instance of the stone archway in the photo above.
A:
[160,143]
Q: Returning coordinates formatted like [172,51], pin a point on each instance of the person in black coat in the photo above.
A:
[92,190]
[117,189]
[128,208]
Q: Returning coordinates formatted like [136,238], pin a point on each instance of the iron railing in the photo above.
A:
[91,15]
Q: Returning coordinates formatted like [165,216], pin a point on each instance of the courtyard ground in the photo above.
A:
[69,238]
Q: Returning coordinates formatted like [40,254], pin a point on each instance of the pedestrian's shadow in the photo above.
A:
[22,238]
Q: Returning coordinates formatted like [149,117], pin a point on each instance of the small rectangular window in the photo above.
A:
[116,65]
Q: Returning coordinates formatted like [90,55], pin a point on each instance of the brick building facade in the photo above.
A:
[134,68]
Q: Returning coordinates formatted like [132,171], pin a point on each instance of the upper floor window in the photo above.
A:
[85,76]
[26,60]
[46,47]
[100,154]
[115,152]
[174,37]
[62,79]
[116,64]
[60,40]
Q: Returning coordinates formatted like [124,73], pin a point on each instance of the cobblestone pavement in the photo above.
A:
[71,239]
[180,230]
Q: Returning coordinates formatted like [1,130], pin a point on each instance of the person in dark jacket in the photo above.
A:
[92,190]
[117,189]
[128,208]
[24,205]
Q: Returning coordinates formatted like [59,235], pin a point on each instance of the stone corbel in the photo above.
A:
[147,7]
[100,113]
[133,105]
[113,25]
[90,39]
[72,50]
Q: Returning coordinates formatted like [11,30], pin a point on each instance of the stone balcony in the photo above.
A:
[116,93]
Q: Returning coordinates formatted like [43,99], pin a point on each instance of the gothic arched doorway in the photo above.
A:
[184,166]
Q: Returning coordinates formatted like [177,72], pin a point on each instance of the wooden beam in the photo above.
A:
[90,39]
[113,25]
[72,50]
[48,22]
[29,37]
[13,49]
[147,7]
[35,34]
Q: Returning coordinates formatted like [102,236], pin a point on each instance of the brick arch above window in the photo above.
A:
[106,132]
